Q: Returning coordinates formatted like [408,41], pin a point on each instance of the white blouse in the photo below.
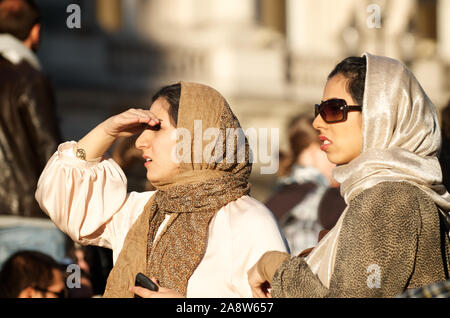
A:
[89,202]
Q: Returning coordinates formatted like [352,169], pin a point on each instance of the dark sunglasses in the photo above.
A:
[334,110]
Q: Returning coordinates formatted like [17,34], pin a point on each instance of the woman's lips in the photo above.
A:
[325,143]
[147,159]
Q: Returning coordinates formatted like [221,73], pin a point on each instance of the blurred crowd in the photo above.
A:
[36,258]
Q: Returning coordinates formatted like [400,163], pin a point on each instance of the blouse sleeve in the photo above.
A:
[255,231]
[88,200]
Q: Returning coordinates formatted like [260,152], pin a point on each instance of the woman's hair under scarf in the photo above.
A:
[205,183]
[401,141]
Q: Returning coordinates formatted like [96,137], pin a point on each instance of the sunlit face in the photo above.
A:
[156,144]
[55,290]
[57,286]
[342,142]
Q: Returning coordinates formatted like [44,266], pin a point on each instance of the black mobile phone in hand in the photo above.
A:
[144,281]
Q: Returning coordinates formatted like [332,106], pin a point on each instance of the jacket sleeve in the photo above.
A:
[376,249]
[38,112]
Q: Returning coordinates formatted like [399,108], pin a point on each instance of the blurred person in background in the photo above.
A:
[305,179]
[331,206]
[444,157]
[28,133]
[95,264]
[31,274]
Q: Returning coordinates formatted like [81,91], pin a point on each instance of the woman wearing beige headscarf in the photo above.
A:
[391,236]
[191,235]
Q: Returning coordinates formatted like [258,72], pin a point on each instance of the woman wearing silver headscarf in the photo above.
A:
[380,128]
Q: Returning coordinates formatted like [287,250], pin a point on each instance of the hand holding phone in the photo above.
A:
[144,281]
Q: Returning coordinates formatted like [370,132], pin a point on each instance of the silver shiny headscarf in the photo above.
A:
[401,135]
[401,141]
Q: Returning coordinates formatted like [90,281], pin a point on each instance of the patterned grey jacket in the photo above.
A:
[391,239]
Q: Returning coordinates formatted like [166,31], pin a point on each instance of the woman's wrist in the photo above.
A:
[94,144]
[103,126]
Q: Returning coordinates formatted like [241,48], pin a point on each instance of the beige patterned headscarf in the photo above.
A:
[401,141]
[191,198]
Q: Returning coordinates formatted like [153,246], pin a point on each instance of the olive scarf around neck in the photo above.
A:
[189,200]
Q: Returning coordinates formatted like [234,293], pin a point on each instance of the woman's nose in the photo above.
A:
[318,123]
[143,141]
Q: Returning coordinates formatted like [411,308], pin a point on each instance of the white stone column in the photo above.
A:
[130,8]
[233,11]
[396,28]
[195,13]
[443,29]
[314,27]
[314,36]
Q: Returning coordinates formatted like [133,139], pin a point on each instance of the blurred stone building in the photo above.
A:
[269,58]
